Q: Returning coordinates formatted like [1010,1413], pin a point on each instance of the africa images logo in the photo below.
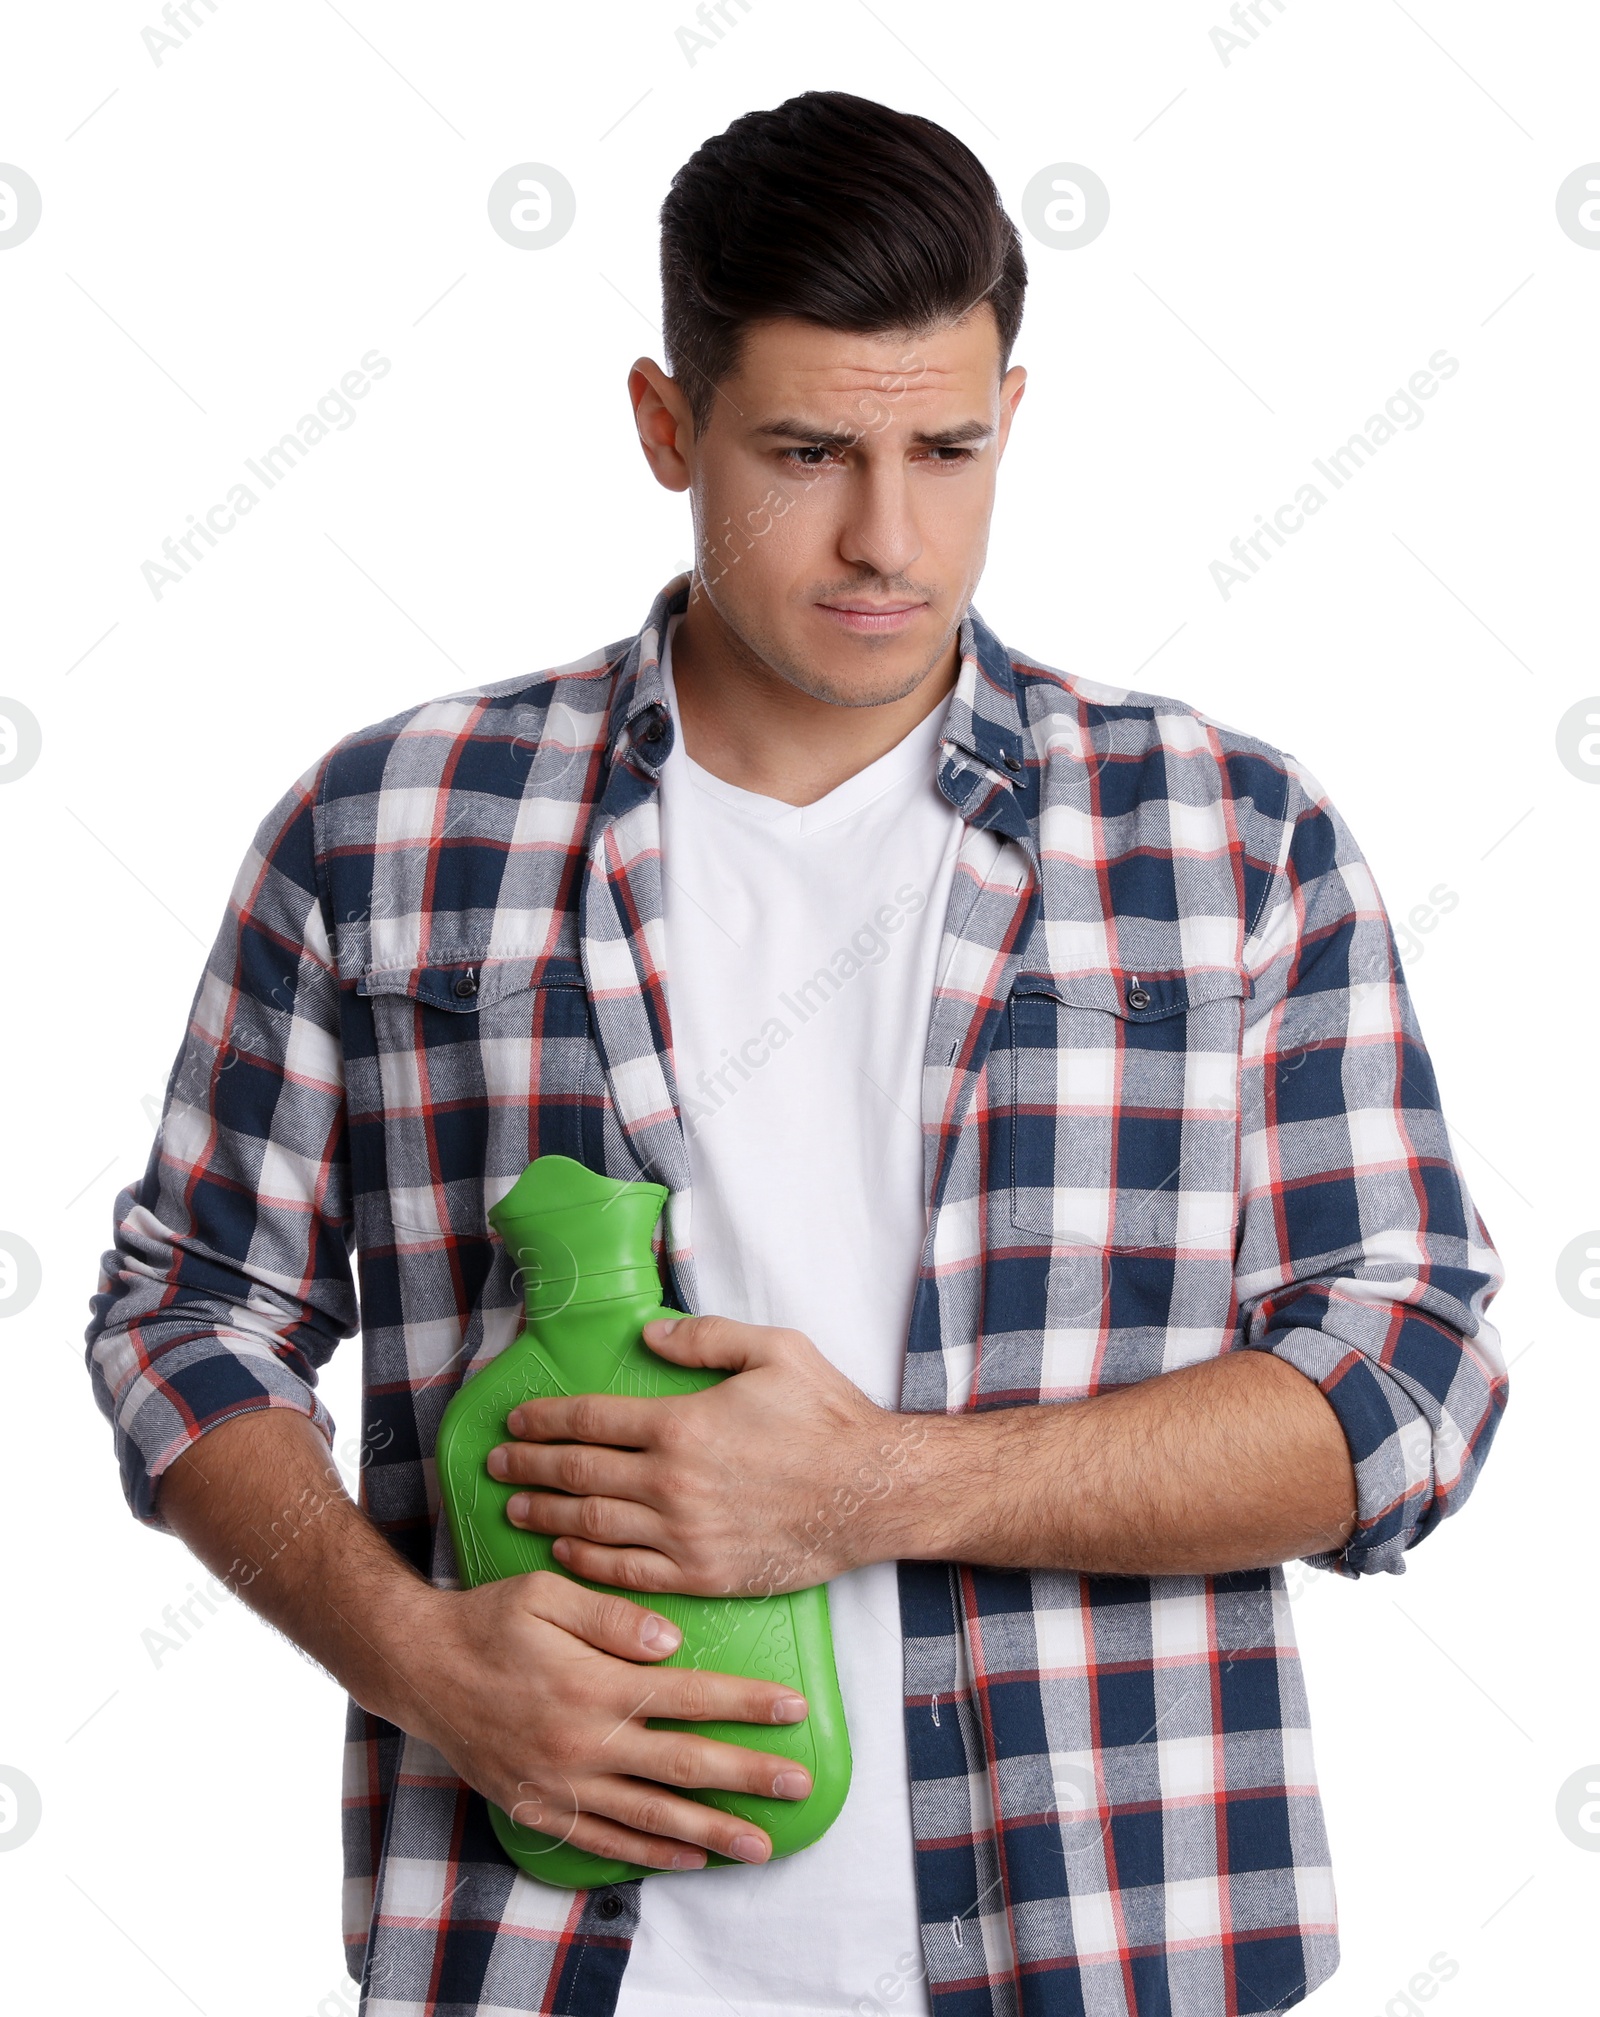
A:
[1402,410]
[868,947]
[334,411]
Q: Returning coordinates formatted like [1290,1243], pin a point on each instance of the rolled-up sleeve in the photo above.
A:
[229,1280]
[1362,1260]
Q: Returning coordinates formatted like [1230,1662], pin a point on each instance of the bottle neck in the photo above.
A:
[611,1313]
[579,1242]
[545,1299]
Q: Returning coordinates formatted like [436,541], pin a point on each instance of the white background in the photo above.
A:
[1292,234]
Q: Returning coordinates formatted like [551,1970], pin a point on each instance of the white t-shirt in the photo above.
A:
[801,944]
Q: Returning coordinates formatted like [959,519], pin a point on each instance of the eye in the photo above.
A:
[818,454]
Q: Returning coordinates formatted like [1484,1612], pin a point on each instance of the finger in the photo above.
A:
[580,1468]
[602,1835]
[551,1816]
[616,1523]
[710,1341]
[638,1821]
[621,1420]
[611,1624]
[643,1569]
[653,1813]
[679,1758]
[699,1695]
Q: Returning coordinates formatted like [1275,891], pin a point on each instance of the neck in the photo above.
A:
[751,727]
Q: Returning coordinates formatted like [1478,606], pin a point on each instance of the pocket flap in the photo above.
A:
[1138,998]
[465,983]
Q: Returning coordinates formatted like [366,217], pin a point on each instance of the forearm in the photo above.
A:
[259,1500]
[529,1686]
[1233,1464]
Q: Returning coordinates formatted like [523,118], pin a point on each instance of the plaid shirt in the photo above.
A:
[1176,1104]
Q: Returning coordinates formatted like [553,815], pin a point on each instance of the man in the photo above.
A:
[1055,1165]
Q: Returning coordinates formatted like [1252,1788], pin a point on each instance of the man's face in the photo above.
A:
[841,493]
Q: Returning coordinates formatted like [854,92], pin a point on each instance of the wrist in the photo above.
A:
[954,1490]
[399,1652]
[903,1481]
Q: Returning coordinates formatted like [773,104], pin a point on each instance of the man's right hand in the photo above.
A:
[537,1691]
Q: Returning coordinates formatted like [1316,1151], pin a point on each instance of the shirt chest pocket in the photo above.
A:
[1124,1116]
[477,1066]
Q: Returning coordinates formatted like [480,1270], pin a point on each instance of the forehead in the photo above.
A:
[790,365]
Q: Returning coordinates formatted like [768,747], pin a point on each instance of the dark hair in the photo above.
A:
[839,211]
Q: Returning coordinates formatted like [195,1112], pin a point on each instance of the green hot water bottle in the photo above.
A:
[582,1244]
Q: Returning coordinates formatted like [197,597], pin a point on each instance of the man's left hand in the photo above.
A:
[773,1479]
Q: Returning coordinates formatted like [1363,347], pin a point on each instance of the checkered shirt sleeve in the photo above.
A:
[1361,1258]
[230,1281]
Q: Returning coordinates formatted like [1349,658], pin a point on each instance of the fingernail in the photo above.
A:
[514,1422]
[661,1325]
[688,1862]
[789,1709]
[499,1463]
[791,1785]
[517,1506]
[748,1848]
[660,1634]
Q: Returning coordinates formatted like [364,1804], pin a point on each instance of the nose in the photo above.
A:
[880,529]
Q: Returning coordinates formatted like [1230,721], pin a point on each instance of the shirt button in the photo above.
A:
[1011,760]
[466,987]
[1137,998]
[609,1906]
[656,732]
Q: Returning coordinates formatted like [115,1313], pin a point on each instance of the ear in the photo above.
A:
[666,427]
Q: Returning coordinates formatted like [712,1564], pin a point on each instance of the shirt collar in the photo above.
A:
[639,696]
[985,716]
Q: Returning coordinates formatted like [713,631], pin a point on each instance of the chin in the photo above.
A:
[874,685]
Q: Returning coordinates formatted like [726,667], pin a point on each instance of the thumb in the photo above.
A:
[705,1341]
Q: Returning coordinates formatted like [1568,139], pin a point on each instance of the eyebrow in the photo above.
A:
[788,428]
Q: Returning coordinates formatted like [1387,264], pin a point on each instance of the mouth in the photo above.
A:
[868,618]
